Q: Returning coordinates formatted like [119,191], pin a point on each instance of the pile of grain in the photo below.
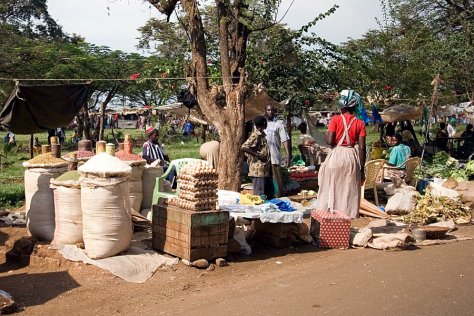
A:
[81,155]
[44,160]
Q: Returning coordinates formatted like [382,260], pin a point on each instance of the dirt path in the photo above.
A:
[434,280]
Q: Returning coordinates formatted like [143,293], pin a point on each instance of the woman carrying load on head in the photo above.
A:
[342,173]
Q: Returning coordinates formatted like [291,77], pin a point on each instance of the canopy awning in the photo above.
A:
[33,109]
[402,112]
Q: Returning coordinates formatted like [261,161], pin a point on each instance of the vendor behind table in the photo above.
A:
[258,158]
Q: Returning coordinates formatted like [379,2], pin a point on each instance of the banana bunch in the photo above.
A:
[250,199]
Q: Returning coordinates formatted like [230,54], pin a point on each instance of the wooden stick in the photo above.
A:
[371,208]
[364,212]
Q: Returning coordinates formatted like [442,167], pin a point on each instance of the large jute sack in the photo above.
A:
[150,173]
[68,212]
[39,200]
[106,213]
[136,185]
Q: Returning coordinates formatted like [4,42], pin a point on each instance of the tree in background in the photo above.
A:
[223,103]
[419,40]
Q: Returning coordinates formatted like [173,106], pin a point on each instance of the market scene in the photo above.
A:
[238,166]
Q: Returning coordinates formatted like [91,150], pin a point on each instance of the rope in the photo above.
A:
[105,79]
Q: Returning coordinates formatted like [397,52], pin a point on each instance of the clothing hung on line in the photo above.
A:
[339,176]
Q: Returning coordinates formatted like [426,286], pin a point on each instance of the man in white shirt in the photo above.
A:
[277,135]
[451,130]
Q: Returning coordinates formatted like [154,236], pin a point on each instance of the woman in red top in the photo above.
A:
[342,173]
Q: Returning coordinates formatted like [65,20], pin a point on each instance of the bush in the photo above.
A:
[12,195]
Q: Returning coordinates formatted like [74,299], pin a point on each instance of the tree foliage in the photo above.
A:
[419,40]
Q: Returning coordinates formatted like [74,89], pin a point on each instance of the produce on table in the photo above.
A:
[430,209]
[300,173]
[445,166]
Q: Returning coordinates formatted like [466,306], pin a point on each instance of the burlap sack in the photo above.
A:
[39,201]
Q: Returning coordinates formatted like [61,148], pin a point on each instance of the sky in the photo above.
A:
[114,23]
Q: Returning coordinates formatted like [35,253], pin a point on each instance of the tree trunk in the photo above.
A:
[229,120]
[87,125]
[101,120]
[103,106]
[80,125]
[203,133]
[288,125]
[231,133]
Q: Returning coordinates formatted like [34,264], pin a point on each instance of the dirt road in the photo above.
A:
[434,280]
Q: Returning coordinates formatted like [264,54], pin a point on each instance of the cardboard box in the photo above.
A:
[330,230]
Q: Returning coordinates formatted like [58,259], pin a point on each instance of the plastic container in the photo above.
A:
[128,144]
[110,149]
[419,234]
[45,149]
[84,145]
[56,150]
[100,147]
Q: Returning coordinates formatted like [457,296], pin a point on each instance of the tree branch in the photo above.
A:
[223,21]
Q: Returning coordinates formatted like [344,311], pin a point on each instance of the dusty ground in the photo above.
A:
[434,280]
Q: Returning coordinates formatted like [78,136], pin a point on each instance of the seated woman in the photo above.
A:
[310,152]
[399,154]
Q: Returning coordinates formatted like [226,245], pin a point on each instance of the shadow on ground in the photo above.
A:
[38,288]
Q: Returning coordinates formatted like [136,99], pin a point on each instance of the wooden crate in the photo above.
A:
[190,235]
[277,235]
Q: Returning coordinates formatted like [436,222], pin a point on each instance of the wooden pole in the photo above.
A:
[434,105]
[288,124]
[31,146]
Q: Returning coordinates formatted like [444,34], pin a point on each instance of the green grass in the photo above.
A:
[176,146]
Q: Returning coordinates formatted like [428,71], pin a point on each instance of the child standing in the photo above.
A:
[258,158]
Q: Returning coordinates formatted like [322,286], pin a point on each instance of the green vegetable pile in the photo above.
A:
[445,166]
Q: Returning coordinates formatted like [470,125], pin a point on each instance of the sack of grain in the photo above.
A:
[68,212]
[150,173]
[39,199]
[135,180]
[106,213]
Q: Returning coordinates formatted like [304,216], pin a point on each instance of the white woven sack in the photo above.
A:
[150,173]
[39,201]
[402,202]
[104,165]
[136,188]
[106,215]
[68,219]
